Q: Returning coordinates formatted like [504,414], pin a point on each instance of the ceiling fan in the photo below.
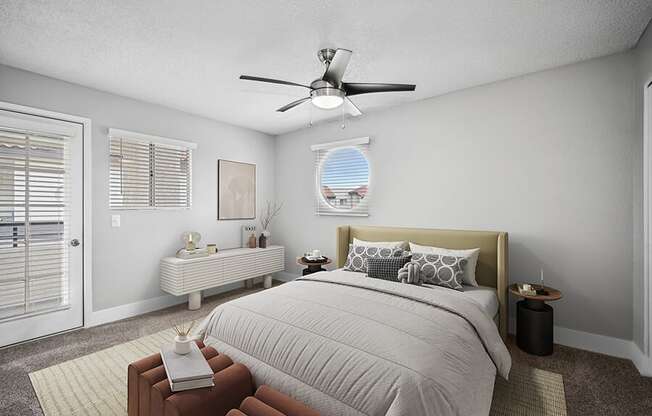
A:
[329,92]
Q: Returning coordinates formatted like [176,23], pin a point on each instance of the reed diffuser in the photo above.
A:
[182,340]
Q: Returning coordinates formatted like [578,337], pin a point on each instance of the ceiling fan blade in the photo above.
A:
[293,104]
[336,68]
[352,108]
[354,88]
[272,81]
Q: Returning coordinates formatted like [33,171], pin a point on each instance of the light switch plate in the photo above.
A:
[115,220]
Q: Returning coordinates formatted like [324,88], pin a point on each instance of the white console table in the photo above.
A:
[191,276]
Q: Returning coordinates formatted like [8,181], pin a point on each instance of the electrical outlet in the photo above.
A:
[115,221]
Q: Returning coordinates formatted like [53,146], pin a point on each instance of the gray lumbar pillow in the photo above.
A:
[440,270]
[385,268]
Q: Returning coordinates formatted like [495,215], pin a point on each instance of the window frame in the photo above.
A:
[154,143]
[322,206]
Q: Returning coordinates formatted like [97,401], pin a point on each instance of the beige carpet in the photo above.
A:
[96,384]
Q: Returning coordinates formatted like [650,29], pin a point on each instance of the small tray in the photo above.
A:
[322,260]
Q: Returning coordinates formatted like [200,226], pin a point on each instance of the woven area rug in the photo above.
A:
[96,384]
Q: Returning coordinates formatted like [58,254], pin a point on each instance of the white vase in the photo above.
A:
[182,344]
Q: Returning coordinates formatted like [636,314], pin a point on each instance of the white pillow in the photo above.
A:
[471,256]
[380,244]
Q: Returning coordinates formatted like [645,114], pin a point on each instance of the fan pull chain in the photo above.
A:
[310,120]
[343,125]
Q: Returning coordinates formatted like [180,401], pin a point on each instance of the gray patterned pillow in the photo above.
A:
[441,270]
[356,261]
[386,268]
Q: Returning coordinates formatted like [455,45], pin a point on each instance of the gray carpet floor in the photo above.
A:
[595,384]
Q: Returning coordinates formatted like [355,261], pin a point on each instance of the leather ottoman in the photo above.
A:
[269,402]
[149,392]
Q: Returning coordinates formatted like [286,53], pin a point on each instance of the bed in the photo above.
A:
[345,344]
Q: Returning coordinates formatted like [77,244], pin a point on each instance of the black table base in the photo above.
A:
[534,331]
[313,268]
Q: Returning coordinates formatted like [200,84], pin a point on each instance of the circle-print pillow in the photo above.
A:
[441,270]
[356,261]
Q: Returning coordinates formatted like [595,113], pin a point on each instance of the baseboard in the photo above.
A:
[130,310]
[602,344]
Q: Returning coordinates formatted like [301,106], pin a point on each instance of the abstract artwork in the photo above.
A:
[236,190]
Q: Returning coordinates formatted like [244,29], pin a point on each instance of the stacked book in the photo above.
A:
[188,371]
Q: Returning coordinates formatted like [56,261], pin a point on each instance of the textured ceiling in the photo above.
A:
[188,54]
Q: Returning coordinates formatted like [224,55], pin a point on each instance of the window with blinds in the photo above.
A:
[149,172]
[342,177]
[34,216]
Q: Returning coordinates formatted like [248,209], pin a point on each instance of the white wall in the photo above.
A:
[546,157]
[643,56]
[125,260]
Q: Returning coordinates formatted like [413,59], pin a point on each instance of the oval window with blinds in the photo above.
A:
[342,173]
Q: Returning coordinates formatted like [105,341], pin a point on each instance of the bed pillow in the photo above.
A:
[384,244]
[470,255]
[356,261]
[386,268]
[441,270]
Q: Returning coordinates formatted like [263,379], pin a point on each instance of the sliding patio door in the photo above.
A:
[41,218]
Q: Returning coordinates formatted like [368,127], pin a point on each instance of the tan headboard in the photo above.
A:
[492,263]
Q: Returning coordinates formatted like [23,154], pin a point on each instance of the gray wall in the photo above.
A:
[125,260]
[546,157]
[643,56]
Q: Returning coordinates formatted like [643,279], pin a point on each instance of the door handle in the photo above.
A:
[74,242]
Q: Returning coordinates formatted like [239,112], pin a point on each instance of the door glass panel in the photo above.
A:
[34,212]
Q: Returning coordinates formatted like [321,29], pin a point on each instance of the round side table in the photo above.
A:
[312,266]
[534,320]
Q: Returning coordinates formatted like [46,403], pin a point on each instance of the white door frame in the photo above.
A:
[87,235]
[647,214]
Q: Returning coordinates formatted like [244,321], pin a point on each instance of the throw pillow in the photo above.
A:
[356,261]
[441,270]
[471,255]
[385,268]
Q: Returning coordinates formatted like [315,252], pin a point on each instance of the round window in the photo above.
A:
[344,178]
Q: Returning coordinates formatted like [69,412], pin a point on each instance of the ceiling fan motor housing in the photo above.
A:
[325,96]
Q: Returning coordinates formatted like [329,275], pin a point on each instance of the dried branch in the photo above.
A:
[272,211]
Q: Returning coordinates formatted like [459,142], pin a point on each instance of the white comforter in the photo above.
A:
[346,345]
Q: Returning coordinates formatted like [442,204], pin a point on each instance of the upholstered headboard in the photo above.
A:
[492,263]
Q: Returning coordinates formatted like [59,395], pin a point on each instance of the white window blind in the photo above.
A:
[34,215]
[149,171]
[342,177]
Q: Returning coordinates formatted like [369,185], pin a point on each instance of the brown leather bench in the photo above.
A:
[269,402]
[149,392]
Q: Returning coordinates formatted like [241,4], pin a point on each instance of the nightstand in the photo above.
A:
[312,266]
[534,320]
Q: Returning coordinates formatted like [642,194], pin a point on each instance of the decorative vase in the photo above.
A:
[252,241]
[182,344]
[262,241]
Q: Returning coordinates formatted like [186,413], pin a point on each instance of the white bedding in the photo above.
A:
[484,295]
[346,345]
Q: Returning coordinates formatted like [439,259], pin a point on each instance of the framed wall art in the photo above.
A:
[236,190]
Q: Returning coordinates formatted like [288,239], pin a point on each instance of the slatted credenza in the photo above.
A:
[191,276]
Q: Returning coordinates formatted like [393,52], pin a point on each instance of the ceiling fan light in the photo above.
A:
[327,98]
